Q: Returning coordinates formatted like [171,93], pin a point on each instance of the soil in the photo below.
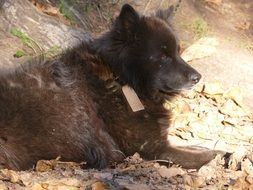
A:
[229,22]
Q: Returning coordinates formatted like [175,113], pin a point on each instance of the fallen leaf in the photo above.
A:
[170,172]
[236,158]
[231,109]
[244,25]
[52,11]
[44,166]
[230,121]
[208,172]
[3,187]
[250,157]
[136,187]
[236,95]
[213,88]
[194,181]
[240,184]
[199,87]
[179,122]
[99,186]
[214,2]
[246,166]
[47,165]
[37,186]
[249,179]
[9,175]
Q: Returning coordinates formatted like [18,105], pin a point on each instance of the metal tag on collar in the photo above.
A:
[132,99]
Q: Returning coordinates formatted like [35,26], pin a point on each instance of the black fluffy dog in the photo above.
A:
[62,107]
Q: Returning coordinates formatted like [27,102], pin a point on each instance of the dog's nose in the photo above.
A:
[195,77]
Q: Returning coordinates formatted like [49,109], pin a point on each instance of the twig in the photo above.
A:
[146,7]
[161,3]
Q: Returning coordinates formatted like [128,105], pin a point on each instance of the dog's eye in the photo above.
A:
[164,48]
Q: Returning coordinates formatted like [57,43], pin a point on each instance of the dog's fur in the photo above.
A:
[62,107]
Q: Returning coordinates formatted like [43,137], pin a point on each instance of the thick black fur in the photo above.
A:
[62,107]
[144,53]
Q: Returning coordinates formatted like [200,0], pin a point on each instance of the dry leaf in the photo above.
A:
[136,187]
[250,157]
[179,122]
[60,184]
[170,172]
[197,126]
[191,94]
[230,121]
[47,165]
[46,8]
[3,187]
[208,172]
[247,166]
[9,175]
[184,133]
[236,95]
[38,186]
[52,11]
[240,184]
[231,109]
[44,166]
[249,179]
[214,2]
[194,181]
[244,25]
[213,88]
[236,158]
[99,186]
[199,87]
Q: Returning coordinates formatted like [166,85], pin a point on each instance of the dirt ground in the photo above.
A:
[216,38]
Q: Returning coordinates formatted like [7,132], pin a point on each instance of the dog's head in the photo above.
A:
[144,52]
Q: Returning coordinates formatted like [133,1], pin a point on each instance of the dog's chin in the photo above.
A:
[169,89]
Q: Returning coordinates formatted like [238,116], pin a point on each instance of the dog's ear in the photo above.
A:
[128,18]
[166,14]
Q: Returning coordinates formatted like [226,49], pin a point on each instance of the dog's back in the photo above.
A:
[46,111]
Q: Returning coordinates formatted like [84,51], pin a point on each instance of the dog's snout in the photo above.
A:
[194,77]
